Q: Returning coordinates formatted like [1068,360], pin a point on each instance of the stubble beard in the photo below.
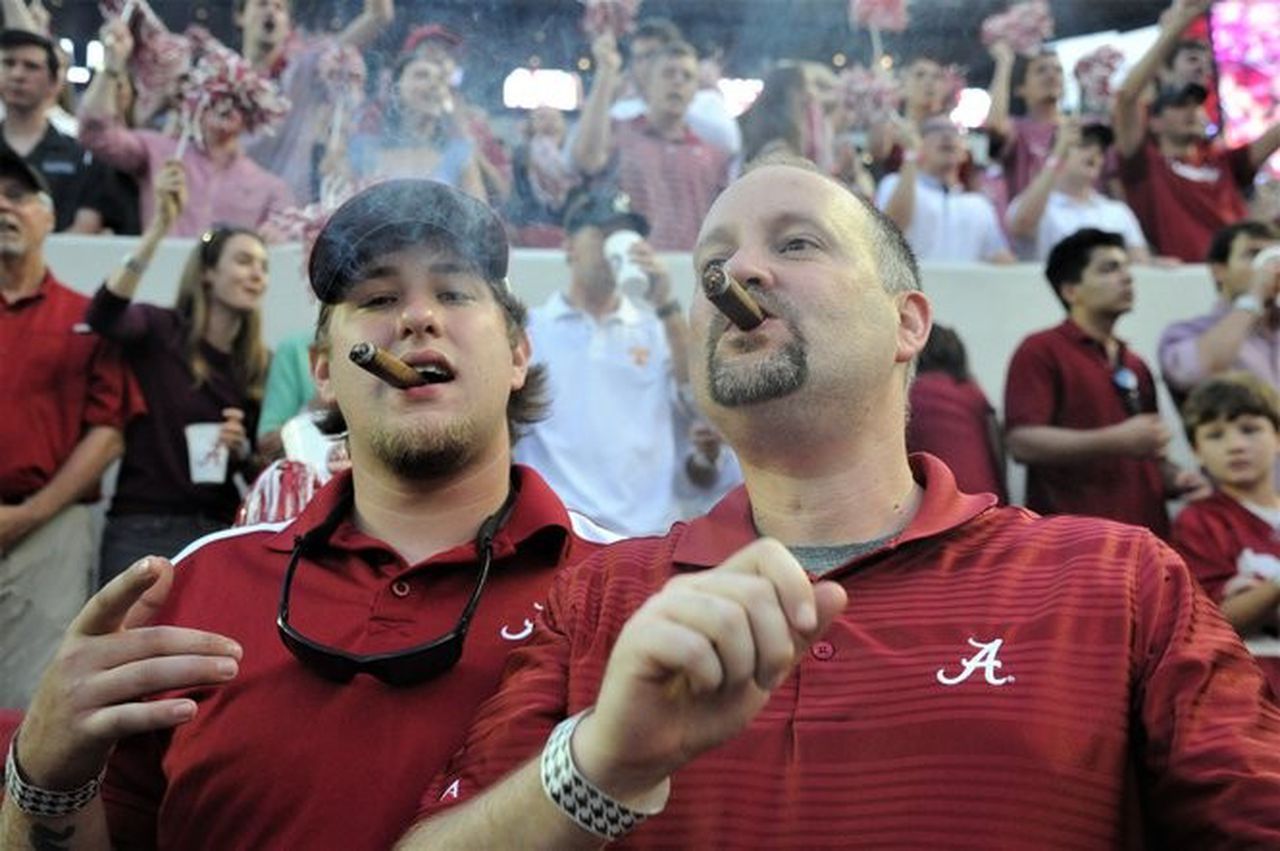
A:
[779,375]
[426,452]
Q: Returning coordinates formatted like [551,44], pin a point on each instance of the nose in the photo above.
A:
[419,317]
[749,267]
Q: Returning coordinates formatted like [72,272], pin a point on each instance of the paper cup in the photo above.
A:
[626,274]
[206,457]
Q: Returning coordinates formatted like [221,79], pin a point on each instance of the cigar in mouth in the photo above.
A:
[731,299]
[386,366]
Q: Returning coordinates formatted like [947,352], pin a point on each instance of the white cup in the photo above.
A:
[1269,256]
[626,274]
[206,457]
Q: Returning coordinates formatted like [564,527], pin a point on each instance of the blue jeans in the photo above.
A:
[129,537]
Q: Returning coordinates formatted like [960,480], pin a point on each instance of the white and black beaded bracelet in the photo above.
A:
[45,803]
[576,796]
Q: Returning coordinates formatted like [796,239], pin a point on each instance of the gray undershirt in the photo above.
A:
[819,560]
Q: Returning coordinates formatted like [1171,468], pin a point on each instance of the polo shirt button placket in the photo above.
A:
[400,588]
[823,650]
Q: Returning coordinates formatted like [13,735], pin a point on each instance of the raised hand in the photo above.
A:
[95,690]
[697,661]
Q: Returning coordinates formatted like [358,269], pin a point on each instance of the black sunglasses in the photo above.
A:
[407,667]
[1125,381]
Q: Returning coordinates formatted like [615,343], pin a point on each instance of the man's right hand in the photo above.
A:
[605,51]
[696,662]
[94,691]
[170,193]
[117,41]
[1142,435]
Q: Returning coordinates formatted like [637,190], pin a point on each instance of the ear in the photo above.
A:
[915,320]
[1068,292]
[521,355]
[320,364]
[1219,272]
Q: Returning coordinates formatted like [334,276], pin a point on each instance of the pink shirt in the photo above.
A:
[239,193]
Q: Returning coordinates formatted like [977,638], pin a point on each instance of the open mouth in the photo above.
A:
[434,373]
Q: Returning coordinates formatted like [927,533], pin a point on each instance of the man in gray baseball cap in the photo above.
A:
[393,597]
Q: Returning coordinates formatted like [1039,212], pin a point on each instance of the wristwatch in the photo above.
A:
[1248,302]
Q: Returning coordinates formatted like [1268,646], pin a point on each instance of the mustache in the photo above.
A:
[772,305]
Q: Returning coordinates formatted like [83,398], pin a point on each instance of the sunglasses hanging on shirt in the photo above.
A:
[1125,381]
[407,667]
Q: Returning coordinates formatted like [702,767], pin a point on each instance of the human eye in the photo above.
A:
[792,244]
[375,299]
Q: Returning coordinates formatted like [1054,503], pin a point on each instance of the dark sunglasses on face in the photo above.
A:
[407,667]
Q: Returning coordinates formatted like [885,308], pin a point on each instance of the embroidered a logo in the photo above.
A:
[985,659]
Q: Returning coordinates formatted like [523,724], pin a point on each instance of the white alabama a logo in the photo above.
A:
[985,659]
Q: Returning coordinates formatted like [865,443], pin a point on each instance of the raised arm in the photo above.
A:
[101,128]
[998,124]
[369,24]
[689,671]
[1261,149]
[18,16]
[1128,118]
[110,313]
[899,203]
[1026,211]
[591,145]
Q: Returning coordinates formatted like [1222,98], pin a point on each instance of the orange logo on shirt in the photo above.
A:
[639,355]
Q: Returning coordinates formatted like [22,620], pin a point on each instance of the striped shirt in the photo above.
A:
[997,680]
[671,182]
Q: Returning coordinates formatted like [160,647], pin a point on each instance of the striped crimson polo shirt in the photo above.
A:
[997,680]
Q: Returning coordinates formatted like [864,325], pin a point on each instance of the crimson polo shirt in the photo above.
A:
[1061,377]
[57,380]
[281,758]
[997,679]
[1182,204]
[953,420]
[1211,534]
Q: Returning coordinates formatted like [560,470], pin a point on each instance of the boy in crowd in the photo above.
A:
[1230,538]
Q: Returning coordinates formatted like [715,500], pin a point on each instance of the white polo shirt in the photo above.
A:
[611,445]
[948,224]
[1064,215]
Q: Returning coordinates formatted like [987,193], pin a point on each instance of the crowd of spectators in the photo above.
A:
[653,145]
[205,422]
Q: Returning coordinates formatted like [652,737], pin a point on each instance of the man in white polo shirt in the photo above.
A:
[941,219]
[1062,199]
[617,443]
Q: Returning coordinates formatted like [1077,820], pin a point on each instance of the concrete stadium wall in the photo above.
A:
[992,308]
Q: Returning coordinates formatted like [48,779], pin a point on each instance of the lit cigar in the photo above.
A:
[731,299]
[386,366]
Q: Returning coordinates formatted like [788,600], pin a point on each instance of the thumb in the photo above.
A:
[233,414]
[830,598]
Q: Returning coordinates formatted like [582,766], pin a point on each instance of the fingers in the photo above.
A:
[771,560]
[147,676]
[159,642]
[743,623]
[107,610]
[235,414]
[112,723]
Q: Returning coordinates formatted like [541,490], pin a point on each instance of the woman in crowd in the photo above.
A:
[422,136]
[202,365]
[788,116]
